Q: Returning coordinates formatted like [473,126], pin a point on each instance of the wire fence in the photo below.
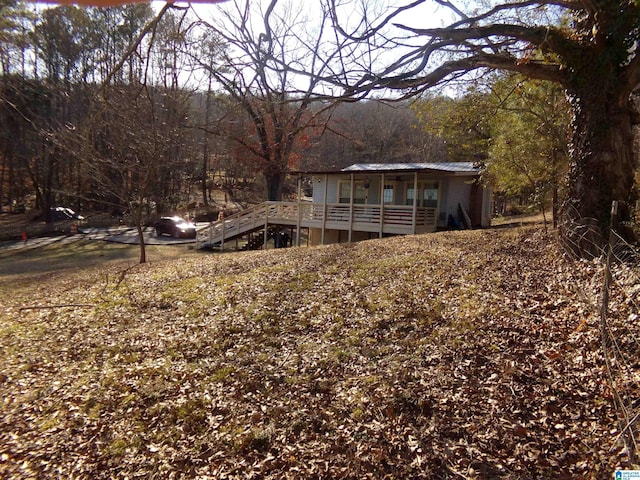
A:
[616,300]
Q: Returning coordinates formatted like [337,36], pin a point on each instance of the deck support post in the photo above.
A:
[266,227]
[351,180]
[224,222]
[324,209]
[415,201]
[382,205]
[299,210]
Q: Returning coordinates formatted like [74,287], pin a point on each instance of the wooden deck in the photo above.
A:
[381,219]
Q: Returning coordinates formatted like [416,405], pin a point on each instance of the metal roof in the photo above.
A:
[455,167]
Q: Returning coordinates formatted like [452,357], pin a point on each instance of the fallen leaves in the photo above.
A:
[455,355]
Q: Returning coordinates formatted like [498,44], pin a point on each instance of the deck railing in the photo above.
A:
[397,219]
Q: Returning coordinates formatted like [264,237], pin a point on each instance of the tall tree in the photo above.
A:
[529,137]
[16,22]
[249,70]
[516,128]
[464,123]
[23,105]
[126,147]
[373,131]
[16,26]
[118,29]
[61,36]
[27,119]
[168,63]
[131,133]
[589,47]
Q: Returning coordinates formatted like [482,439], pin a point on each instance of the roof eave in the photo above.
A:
[394,172]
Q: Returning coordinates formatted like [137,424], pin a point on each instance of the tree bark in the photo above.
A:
[274,178]
[601,170]
[143,248]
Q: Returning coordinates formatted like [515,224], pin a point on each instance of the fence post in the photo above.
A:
[607,272]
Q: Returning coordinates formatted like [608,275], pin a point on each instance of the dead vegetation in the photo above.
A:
[456,355]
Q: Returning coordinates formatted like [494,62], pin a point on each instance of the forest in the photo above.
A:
[86,123]
[147,110]
[109,109]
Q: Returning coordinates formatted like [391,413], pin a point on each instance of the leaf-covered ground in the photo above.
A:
[454,355]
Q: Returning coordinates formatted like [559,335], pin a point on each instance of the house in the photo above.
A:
[368,201]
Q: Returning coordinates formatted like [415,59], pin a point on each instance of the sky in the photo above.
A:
[428,14]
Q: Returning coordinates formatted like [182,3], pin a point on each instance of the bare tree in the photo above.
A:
[132,138]
[277,105]
[589,47]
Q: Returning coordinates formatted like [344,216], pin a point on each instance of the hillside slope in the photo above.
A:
[453,355]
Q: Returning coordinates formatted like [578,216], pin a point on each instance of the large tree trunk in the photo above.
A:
[601,171]
[274,178]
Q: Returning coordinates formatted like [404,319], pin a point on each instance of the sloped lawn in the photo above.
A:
[453,355]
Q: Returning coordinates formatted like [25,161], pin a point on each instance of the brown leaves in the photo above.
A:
[456,355]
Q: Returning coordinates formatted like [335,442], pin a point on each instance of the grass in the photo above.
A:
[56,258]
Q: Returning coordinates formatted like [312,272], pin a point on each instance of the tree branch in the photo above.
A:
[53,307]
[408,81]
[370,32]
[134,45]
[545,38]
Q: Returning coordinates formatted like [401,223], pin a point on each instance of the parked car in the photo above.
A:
[63,213]
[175,227]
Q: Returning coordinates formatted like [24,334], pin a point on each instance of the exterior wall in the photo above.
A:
[373,195]
[330,236]
[454,190]
[442,207]
[318,189]
[458,191]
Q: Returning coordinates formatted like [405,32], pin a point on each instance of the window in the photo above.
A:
[410,195]
[429,198]
[430,195]
[388,194]
[345,192]
[359,193]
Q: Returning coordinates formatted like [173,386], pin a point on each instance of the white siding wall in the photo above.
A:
[373,196]
[332,188]
[453,191]
[318,189]
[458,191]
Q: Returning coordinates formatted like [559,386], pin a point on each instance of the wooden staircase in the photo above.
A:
[375,219]
[258,217]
